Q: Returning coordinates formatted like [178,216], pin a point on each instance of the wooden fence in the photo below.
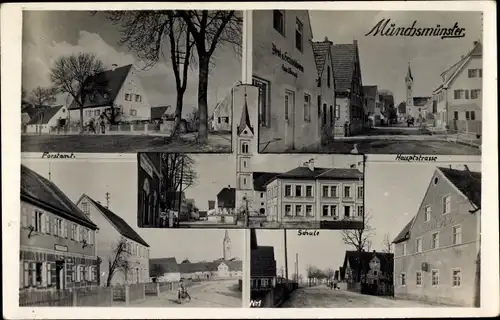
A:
[66,298]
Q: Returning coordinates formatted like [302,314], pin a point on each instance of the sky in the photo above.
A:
[384,60]
[389,204]
[119,178]
[48,35]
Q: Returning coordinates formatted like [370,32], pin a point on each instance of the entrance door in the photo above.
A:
[60,275]
[290,119]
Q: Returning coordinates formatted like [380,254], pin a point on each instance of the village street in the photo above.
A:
[324,297]
[124,143]
[208,294]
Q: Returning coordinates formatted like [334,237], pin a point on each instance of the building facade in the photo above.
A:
[222,117]
[149,178]
[284,70]
[436,253]
[48,120]
[114,232]
[459,95]
[57,241]
[125,98]
[164,270]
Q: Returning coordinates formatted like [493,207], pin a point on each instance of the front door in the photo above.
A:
[60,275]
[290,119]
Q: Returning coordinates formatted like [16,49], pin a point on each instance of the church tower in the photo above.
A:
[409,87]
[244,151]
[226,245]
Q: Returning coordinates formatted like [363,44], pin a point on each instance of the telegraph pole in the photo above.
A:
[286,258]
[180,190]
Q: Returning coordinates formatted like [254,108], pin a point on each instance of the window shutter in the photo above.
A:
[65,228]
[78,273]
[78,233]
[33,218]
[21,273]
[44,274]
[24,219]
[33,274]
[26,276]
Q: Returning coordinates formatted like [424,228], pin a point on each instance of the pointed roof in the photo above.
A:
[409,76]
[226,236]
[165,265]
[245,118]
[44,116]
[321,50]
[158,112]
[344,57]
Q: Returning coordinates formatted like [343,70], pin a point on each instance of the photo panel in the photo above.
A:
[397,82]
[99,81]
[80,245]
[419,247]
[272,191]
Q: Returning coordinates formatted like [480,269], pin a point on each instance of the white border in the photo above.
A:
[11,91]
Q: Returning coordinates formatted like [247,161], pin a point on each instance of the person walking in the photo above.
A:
[103,125]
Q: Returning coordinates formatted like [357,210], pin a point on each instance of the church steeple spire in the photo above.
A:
[409,76]
[245,118]
[409,86]
[226,244]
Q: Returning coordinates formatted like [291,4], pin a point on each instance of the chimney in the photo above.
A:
[114,66]
[355,42]
[311,164]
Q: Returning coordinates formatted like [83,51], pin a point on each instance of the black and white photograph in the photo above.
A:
[420,247]
[129,81]
[80,246]
[221,191]
[393,82]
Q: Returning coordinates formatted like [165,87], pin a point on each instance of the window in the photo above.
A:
[96,113]
[347,191]
[435,278]
[435,240]
[244,163]
[475,73]
[128,97]
[360,211]
[309,210]
[279,21]
[73,231]
[319,105]
[86,208]
[299,30]
[333,211]
[325,191]
[337,111]
[288,210]
[324,114]
[418,244]
[244,181]
[309,191]
[288,191]
[138,98]
[307,107]
[133,112]
[360,192]
[90,237]
[456,279]
[38,221]
[298,191]
[325,211]
[475,93]
[473,115]
[418,278]
[59,228]
[402,279]
[457,235]
[347,211]
[446,204]
[427,214]
[298,210]
[329,76]
[48,224]
[455,115]
[262,194]
[26,277]
[403,252]
[466,94]
[459,94]
[244,147]
[333,192]
[218,119]
[331,115]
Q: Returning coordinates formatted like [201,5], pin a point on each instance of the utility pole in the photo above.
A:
[297,267]
[180,189]
[108,197]
[286,258]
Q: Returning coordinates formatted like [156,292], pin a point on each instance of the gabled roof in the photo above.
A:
[169,265]
[321,50]
[362,259]
[45,194]
[370,91]
[262,262]
[320,174]
[468,182]
[405,233]
[158,112]
[227,196]
[44,116]
[120,225]
[245,118]
[111,81]
[261,178]
[344,57]
[33,110]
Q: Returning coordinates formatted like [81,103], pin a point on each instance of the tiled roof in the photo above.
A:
[262,262]
[158,112]
[44,193]
[261,178]
[344,57]
[420,101]
[44,116]
[234,265]
[320,173]
[356,258]
[245,119]
[121,226]
[320,50]
[110,81]
[227,197]
[404,234]
[168,265]
[468,182]
[370,91]
[31,110]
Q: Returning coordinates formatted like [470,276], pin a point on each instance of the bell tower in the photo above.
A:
[226,245]
[409,87]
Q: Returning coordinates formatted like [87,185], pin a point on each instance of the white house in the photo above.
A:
[124,92]
[458,97]
[112,230]
[47,119]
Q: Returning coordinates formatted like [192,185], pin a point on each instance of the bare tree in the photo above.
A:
[310,273]
[387,244]
[178,175]
[329,273]
[360,239]
[73,75]
[145,33]
[41,96]
[193,117]
[118,261]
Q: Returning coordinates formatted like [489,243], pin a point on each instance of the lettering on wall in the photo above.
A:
[285,57]
[437,224]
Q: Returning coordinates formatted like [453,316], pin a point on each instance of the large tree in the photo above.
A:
[178,175]
[118,260]
[41,96]
[72,74]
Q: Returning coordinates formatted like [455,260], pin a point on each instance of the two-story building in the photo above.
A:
[149,177]
[321,197]
[350,117]
[114,232]
[284,70]
[120,96]
[458,96]
[437,252]
[57,240]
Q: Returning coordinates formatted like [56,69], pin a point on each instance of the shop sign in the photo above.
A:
[59,247]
